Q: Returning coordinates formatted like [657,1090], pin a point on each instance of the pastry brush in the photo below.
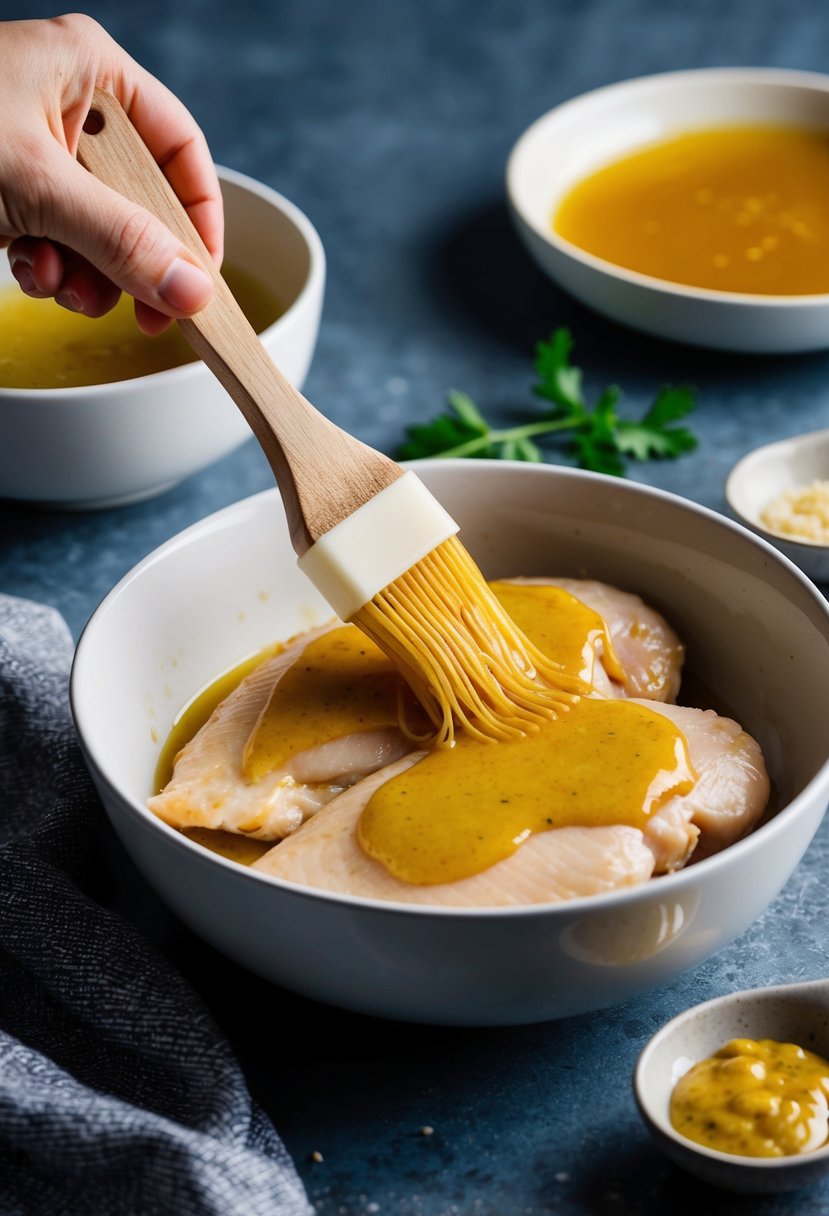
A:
[370,536]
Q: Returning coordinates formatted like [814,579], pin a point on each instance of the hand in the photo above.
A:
[68,235]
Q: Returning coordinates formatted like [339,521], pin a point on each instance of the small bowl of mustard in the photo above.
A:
[735,1090]
[781,492]
[692,205]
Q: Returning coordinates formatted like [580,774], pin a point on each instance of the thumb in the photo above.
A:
[128,244]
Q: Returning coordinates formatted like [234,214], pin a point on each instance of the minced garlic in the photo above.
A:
[802,513]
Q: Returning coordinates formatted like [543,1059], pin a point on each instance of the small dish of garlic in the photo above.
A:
[781,491]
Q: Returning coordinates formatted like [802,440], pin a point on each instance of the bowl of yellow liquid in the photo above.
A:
[94,414]
[691,205]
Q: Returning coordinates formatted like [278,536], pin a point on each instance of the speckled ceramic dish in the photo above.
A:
[757,632]
[796,1013]
[770,470]
[576,138]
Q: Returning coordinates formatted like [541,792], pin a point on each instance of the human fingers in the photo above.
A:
[149,320]
[125,242]
[37,266]
[44,269]
[49,70]
[45,194]
[179,147]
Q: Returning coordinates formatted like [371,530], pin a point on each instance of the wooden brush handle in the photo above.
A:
[323,474]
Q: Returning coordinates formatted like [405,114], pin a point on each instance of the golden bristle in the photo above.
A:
[467,663]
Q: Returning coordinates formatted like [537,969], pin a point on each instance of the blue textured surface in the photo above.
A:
[389,123]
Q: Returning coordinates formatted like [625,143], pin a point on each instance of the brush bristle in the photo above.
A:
[467,663]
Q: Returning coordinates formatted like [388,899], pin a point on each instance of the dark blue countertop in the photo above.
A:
[389,124]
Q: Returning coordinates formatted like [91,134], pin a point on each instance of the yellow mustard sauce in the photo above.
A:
[236,847]
[342,683]
[45,346]
[561,626]
[734,209]
[460,810]
[755,1098]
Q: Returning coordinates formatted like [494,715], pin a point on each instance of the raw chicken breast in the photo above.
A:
[552,866]
[729,796]
[732,787]
[646,646]
[209,789]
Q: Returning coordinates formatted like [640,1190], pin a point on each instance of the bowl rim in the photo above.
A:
[313,284]
[741,472]
[663,1126]
[770,77]
[817,786]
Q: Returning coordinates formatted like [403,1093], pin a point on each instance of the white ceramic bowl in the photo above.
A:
[756,631]
[770,470]
[580,136]
[109,444]
[790,1013]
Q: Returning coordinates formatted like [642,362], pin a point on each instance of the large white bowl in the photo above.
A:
[577,138]
[757,634]
[109,444]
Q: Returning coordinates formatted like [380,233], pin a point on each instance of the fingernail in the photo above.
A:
[70,300]
[24,276]
[185,287]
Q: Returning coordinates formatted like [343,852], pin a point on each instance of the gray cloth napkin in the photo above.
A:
[118,1095]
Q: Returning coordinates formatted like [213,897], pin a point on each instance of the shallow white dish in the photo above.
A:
[755,628]
[109,444]
[791,1013]
[580,136]
[770,470]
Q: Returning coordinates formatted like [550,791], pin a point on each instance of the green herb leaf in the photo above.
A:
[521,448]
[558,381]
[467,411]
[599,439]
[596,456]
[654,436]
[448,434]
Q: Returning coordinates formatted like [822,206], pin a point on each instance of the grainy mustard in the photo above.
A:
[755,1098]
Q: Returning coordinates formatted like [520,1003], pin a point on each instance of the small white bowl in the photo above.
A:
[757,633]
[788,1013]
[577,138]
[771,470]
[110,444]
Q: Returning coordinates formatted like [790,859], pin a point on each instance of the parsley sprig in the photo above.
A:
[598,438]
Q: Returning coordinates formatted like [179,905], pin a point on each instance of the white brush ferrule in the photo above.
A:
[376,544]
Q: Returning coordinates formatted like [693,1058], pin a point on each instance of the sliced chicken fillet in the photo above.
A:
[645,644]
[563,863]
[549,867]
[209,788]
[732,787]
